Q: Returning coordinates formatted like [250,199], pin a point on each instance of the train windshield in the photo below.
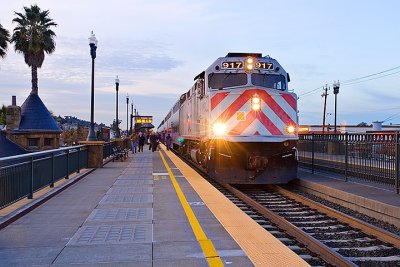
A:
[269,80]
[223,80]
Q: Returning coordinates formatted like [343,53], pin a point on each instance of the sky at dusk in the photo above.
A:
[158,47]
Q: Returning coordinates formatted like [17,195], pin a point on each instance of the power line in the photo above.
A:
[393,73]
[370,75]
[311,91]
[391,117]
[355,80]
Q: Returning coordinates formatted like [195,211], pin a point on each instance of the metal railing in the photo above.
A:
[108,149]
[372,157]
[21,176]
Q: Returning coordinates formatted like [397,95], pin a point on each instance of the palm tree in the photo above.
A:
[4,39]
[33,37]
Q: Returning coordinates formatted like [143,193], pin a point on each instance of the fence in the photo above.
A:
[21,176]
[372,157]
[108,149]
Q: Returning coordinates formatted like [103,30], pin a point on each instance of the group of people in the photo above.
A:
[139,140]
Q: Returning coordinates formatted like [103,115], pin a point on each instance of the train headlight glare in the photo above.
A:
[256,102]
[219,128]
[249,64]
[255,99]
[256,106]
[291,129]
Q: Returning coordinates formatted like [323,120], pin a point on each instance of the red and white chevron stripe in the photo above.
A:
[278,110]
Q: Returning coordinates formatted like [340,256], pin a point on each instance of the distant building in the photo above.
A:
[329,129]
[70,126]
[31,126]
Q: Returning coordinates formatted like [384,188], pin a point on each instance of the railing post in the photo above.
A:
[396,181]
[79,163]
[95,151]
[87,157]
[312,153]
[52,170]
[67,177]
[346,153]
[30,196]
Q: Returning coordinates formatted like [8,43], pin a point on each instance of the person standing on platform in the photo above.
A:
[134,142]
[148,140]
[142,140]
[168,141]
[153,141]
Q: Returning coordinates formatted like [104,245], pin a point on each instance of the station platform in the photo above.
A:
[150,210]
[374,200]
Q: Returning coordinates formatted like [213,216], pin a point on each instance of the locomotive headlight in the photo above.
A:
[256,107]
[255,102]
[249,66]
[291,129]
[219,128]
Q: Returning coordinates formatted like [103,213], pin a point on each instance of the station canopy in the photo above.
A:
[147,126]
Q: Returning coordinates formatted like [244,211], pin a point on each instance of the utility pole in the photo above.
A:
[336,86]
[325,94]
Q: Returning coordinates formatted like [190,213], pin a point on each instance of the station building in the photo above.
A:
[29,128]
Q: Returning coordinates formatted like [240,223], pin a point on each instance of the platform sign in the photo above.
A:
[143,119]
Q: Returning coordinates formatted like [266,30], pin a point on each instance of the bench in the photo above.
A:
[119,153]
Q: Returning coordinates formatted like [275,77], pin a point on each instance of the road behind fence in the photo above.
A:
[371,157]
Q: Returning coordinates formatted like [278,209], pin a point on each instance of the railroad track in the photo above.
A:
[320,235]
[291,242]
[337,238]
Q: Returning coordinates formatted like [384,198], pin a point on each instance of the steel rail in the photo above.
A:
[365,227]
[323,251]
[226,186]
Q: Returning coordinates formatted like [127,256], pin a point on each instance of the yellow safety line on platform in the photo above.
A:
[206,244]
[260,246]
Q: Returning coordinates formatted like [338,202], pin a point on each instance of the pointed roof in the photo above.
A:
[8,148]
[36,117]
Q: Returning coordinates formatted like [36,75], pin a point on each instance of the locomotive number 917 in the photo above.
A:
[238,121]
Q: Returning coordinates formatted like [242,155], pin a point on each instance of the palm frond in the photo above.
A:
[33,35]
[4,39]
[33,38]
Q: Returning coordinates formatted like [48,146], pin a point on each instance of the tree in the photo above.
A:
[4,39]
[3,112]
[33,38]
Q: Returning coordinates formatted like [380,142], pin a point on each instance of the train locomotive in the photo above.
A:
[238,121]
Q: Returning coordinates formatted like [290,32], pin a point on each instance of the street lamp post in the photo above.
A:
[336,86]
[134,120]
[130,129]
[93,46]
[127,114]
[117,133]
